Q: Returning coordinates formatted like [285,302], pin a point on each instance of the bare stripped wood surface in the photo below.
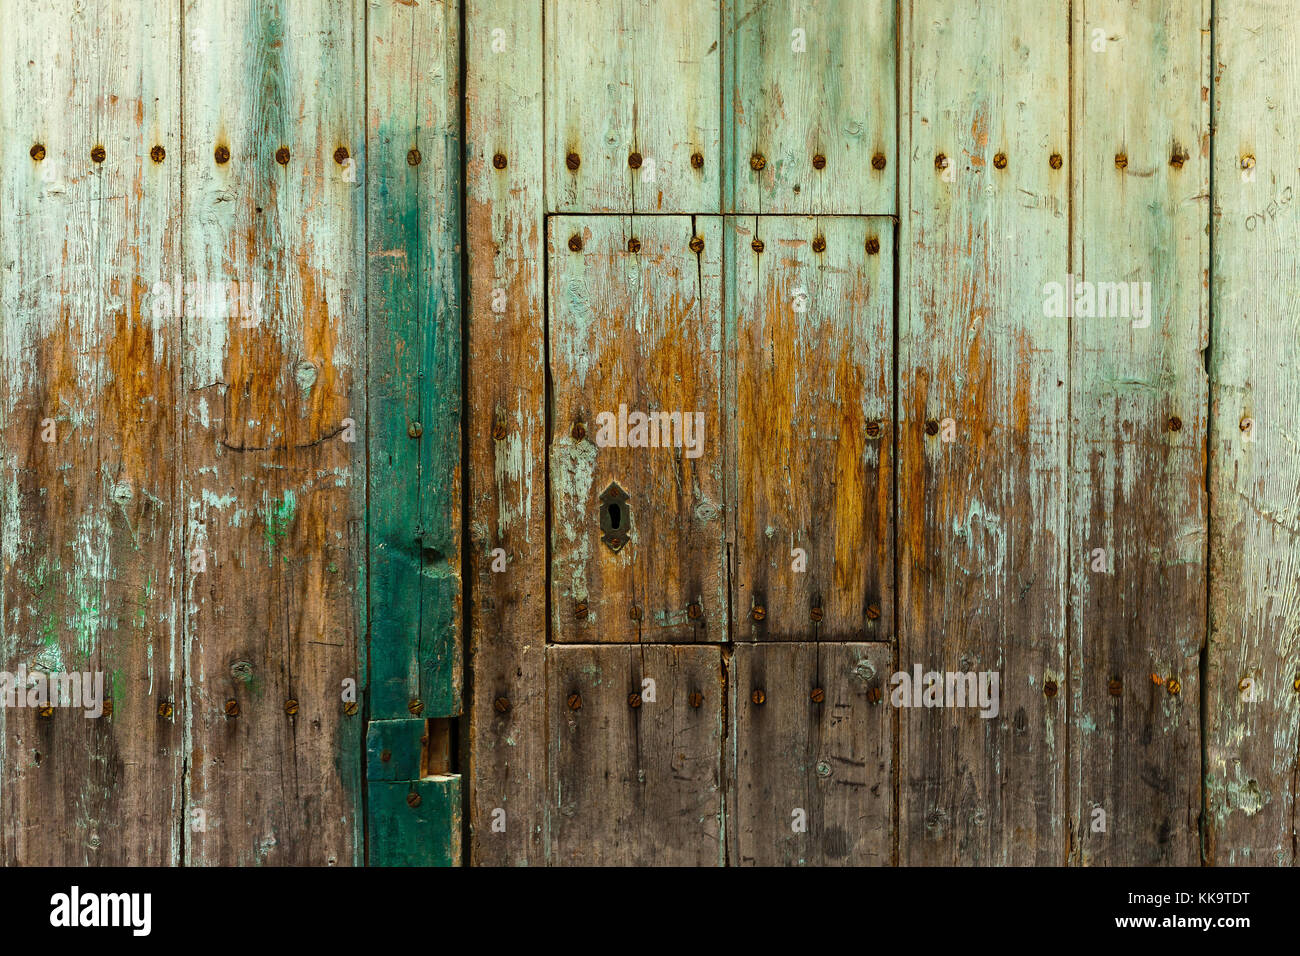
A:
[413,282]
[635,329]
[1253,675]
[635,780]
[506,474]
[814,406]
[89,375]
[632,93]
[813,106]
[811,755]
[982,436]
[273,473]
[1138,425]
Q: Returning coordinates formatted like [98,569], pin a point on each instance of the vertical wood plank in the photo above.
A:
[1252,704]
[637,332]
[813,111]
[507,386]
[625,78]
[275,412]
[1138,422]
[413,283]
[814,406]
[636,785]
[811,755]
[982,517]
[89,517]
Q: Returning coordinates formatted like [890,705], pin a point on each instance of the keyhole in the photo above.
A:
[615,516]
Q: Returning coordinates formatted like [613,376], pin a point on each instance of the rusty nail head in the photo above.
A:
[1000,161]
[291,707]
[878,161]
[940,161]
[1056,162]
[412,800]
[157,154]
[221,154]
[760,612]
[341,155]
[386,756]
[819,244]
[46,711]
[580,609]
[634,700]
[635,612]
[817,695]
[499,161]
[1245,424]
[350,708]
[572,161]
[634,160]
[758,696]
[873,429]
[873,695]
[1296,683]
[1121,160]
[696,698]
[819,161]
[282,155]
[1178,157]
[697,245]
[697,161]
[1115,686]
[575,702]
[1174,686]
[757,161]
[414,429]
[873,612]
[38,152]
[757,245]
[165,709]
[932,427]
[1049,688]
[1175,423]
[416,706]
[575,243]
[693,611]
[413,157]
[816,613]
[501,705]
[634,245]
[232,708]
[579,431]
[873,246]
[499,430]
[1244,684]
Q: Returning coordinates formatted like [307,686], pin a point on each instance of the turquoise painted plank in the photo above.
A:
[416,822]
[394,748]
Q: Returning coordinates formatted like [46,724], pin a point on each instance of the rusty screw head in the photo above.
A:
[696,699]
[415,706]
[940,161]
[412,800]
[819,161]
[97,154]
[341,155]
[757,245]
[1173,686]
[579,431]
[759,612]
[697,161]
[815,613]
[573,161]
[635,612]
[1049,688]
[1246,424]
[878,161]
[1115,686]
[414,429]
[1121,160]
[873,429]
[350,708]
[697,245]
[932,427]
[386,755]
[873,246]
[634,700]
[1248,162]
[758,696]
[634,160]
[634,245]
[575,243]
[817,695]
[580,610]
[819,244]
[157,154]
[1055,161]
[165,709]
[757,161]
[693,611]
[874,695]
[1178,157]
[282,155]
[46,711]
[499,430]
[501,705]
[575,702]
[1000,161]
[221,154]
[873,612]
[38,152]
[413,157]
[232,708]
[291,707]
[499,161]
[1175,423]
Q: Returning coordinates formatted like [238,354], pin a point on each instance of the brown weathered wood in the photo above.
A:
[275,422]
[635,785]
[813,427]
[89,519]
[507,475]
[643,330]
[811,766]
[982,517]
[1138,423]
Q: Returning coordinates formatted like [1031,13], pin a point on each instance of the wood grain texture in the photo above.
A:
[416,822]
[413,282]
[1138,425]
[633,77]
[831,758]
[982,518]
[272,484]
[1252,706]
[643,331]
[814,404]
[636,785]
[507,385]
[89,519]
[808,81]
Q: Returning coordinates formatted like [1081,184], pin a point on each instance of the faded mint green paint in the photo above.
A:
[415,359]
[402,741]
[426,834]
